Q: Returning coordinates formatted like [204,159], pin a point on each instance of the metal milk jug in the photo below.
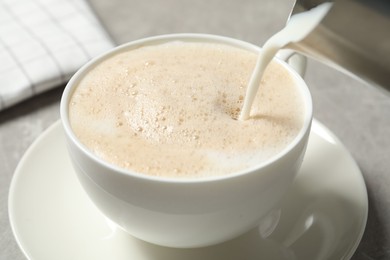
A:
[354,37]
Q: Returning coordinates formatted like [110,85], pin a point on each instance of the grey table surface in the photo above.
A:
[357,113]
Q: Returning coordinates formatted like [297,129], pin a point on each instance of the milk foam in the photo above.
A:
[172,110]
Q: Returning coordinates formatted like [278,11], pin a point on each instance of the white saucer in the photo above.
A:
[323,216]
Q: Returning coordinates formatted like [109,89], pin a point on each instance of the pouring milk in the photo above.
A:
[298,27]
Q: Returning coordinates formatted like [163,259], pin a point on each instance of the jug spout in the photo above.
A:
[354,37]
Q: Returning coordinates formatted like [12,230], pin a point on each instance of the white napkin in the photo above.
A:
[42,43]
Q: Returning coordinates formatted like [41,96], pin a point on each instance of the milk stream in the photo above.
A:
[298,27]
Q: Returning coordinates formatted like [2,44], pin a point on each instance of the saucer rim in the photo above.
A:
[336,141]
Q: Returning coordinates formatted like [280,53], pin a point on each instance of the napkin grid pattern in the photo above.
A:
[42,43]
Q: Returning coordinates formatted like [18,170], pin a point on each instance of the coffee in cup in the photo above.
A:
[171,110]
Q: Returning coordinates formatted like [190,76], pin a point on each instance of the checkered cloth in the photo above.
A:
[42,43]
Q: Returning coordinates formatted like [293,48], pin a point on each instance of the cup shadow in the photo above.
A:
[247,247]
[311,229]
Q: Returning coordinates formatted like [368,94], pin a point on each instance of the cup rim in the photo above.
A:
[189,37]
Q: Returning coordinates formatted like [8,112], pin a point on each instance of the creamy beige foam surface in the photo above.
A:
[171,110]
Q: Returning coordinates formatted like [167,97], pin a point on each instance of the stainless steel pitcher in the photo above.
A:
[354,37]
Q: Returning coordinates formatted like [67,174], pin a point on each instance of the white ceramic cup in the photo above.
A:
[185,212]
